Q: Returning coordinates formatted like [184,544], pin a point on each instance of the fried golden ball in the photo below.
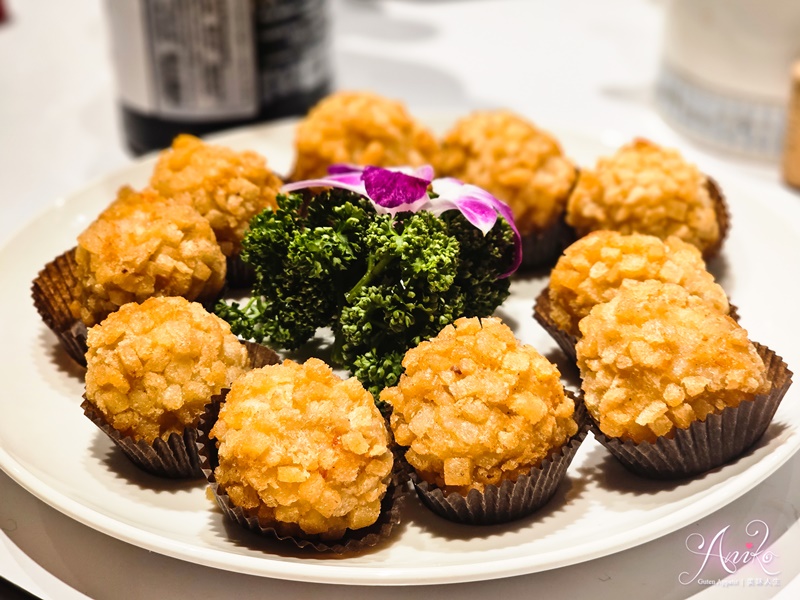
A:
[303,450]
[152,367]
[360,128]
[227,187]
[476,407]
[656,358]
[144,245]
[644,188]
[515,161]
[591,270]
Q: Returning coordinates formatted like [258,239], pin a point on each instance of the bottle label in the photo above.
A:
[216,59]
[749,125]
[293,47]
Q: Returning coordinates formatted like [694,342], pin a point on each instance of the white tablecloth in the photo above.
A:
[582,64]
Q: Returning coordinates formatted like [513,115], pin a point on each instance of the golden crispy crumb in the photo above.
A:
[300,447]
[360,128]
[644,188]
[656,358]
[591,270]
[152,367]
[514,160]
[144,245]
[476,407]
[227,187]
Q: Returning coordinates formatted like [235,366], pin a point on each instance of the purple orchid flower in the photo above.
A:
[391,190]
[405,189]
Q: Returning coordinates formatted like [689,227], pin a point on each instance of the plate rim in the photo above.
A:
[370,576]
[356,574]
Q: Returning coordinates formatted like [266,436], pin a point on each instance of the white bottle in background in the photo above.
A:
[726,69]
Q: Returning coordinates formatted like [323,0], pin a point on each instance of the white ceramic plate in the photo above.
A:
[50,448]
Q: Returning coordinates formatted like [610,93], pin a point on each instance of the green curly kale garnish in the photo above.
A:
[382,283]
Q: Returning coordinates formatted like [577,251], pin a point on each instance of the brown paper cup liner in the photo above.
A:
[53,291]
[176,457]
[566,341]
[543,248]
[723,217]
[260,356]
[239,275]
[541,312]
[707,444]
[353,540]
[511,500]
[733,311]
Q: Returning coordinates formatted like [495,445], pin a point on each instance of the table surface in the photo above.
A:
[580,64]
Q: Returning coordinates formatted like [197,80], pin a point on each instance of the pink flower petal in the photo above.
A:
[424,172]
[390,190]
[447,187]
[345,181]
[339,168]
[452,193]
[478,213]
[393,189]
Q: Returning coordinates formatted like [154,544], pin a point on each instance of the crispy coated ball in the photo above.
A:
[227,187]
[655,358]
[144,245]
[644,188]
[152,367]
[591,270]
[476,407]
[514,160]
[304,450]
[360,128]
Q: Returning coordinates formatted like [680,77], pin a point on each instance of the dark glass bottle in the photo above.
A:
[197,66]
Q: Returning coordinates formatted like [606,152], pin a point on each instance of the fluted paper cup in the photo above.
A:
[707,444]
[353,540]
[511,500]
